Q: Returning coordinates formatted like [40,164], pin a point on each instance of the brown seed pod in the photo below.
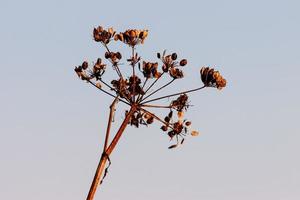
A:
[150,120]
[188,123]
[174,56]
[158,55]
[167,119]
[84,65]
[118,55]
[183,62]
[164,128]
[107,55]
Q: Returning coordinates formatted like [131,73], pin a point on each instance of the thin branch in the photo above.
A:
[114,64]
[158,89]
[111,114]
[113,89]
[156,117]
[133,73]
[171,95]
[155,106]
[141,96]
[152,84]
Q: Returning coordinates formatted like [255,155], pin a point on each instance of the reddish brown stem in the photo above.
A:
[107,153]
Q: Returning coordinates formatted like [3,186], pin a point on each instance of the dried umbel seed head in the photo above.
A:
[132,37]
[180,103]
[183,62]
[114,57]
[101,35]
[176,73]
[81,71]
[212,78]
[150,70]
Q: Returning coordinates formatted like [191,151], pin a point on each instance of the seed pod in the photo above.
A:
[194,133]
[150,120]
[107,55]
[165,68]
[164,128]
[118,55]
[183,62]
[99,61]
[174,56]
[98,85]
[158,55]
[188,123]
[84,65]
[167,119]
[170,114]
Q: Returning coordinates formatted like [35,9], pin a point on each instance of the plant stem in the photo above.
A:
[107,153]
[155,106]
[151,86]
[171,95]
[111,114]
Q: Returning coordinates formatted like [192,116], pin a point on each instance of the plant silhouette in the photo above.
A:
[136,91]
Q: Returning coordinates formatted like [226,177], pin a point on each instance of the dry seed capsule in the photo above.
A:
[84,65]
[164,128]
[183,62]
[174,56]
[158,55]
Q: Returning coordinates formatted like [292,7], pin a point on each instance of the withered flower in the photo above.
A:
[170,64]
[102,35]
[135,89]
[114,57]
[180,103]
[132,37]
[150,70]
[212,78]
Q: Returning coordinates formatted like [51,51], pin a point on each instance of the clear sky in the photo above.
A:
[52,124]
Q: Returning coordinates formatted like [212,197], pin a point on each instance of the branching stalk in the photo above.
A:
[171,95]
[162,87]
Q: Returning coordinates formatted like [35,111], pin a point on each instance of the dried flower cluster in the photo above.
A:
[136,89]
[171,65]
[132,37]
[102,35]
[212,78]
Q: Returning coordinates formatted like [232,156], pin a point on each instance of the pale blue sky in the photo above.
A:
[52,123]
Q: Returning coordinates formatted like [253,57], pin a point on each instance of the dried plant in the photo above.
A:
[135,91]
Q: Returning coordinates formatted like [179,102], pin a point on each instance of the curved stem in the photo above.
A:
[171,95]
